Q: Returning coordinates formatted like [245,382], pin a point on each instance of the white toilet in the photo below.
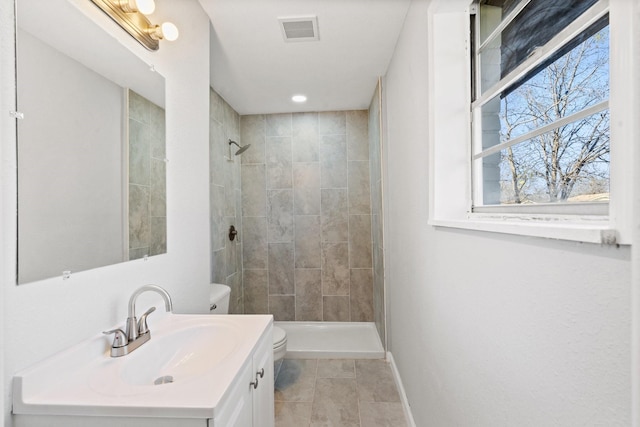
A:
[219,304]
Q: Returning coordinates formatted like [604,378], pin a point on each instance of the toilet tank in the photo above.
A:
[219,299]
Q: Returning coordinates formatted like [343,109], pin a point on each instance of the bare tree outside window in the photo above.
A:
[571,162]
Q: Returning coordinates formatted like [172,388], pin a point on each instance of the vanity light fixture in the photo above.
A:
[130,15]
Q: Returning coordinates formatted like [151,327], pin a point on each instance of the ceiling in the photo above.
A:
[257,72]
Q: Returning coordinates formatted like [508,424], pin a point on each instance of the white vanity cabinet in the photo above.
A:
[75,389]
[250,401]
[263,409]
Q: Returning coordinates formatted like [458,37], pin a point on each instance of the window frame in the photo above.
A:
[481,98]
[450,136]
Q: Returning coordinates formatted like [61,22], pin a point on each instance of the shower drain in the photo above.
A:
[166,379]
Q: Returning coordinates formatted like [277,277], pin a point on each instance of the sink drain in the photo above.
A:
[163,380]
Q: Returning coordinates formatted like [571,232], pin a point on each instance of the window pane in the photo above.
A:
[577,80]
[534,26]
[567,164]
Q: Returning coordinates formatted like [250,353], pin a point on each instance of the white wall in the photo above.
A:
[44,317]
[487,329]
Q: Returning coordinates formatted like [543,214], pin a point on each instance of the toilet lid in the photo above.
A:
[279,336]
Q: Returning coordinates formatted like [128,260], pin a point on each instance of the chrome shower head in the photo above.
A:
[241,149]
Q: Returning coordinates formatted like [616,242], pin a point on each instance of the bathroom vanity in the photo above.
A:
[196,370]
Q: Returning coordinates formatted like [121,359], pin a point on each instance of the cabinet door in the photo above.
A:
[263,411]
[237,412]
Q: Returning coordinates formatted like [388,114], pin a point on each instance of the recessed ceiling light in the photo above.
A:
[299,98]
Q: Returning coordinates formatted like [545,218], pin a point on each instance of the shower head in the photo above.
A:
[242,149]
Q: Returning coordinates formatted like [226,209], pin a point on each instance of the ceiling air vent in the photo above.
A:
[299,29]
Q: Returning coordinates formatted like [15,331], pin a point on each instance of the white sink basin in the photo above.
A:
[182,371]
[190,348]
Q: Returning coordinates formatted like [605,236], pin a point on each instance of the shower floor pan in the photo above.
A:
[332,340]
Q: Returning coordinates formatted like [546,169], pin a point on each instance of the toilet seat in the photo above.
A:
[279,337]
[279,343]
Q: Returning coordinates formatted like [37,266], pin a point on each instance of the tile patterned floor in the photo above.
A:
[336,393]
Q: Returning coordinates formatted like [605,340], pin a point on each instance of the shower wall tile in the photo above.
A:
[216,200]
[139,218]
[281,271]
[231,121]
[216,109]
[333,161]
[138,108]
[306,188]
[335,268]
[283,308]
[239,255]
[305,142]
[230,187]
[229,201]
[253,132]
[280,215]
[238,201]
[219,266]
[336,309]
[307,241]
[158,238]
[335,215]
[278,125]
[147,178]
[279,174]
[158,131]
[359,188]
[361,296]
[139,153]
[236,298]
[225,199]
[158,195]
[360,241]
[138,253]
[312,177]
[358,135]
[254,242]
[216,153]
[231,249]
[256,296]
[332,123]
[146,168]
[254,193]
[308,298]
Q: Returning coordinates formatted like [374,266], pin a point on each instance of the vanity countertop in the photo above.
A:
[201,354]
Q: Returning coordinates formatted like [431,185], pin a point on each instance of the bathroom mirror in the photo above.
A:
[91,145]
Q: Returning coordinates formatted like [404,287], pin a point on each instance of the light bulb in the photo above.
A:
[146,7]
[299,98]
[169,31]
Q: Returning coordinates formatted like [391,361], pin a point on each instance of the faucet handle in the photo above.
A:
[143,328]
[119,338]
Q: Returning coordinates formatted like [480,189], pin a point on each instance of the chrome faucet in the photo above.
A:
[137,332]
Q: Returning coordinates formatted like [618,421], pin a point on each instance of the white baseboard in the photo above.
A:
[403,396]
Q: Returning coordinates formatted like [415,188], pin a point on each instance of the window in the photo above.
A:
[487,164]
[540,107]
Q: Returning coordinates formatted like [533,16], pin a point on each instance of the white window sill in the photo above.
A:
[588,231]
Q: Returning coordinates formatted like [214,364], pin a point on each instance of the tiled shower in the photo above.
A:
[147,178]
[304,194]
[306,216]
[225,199]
